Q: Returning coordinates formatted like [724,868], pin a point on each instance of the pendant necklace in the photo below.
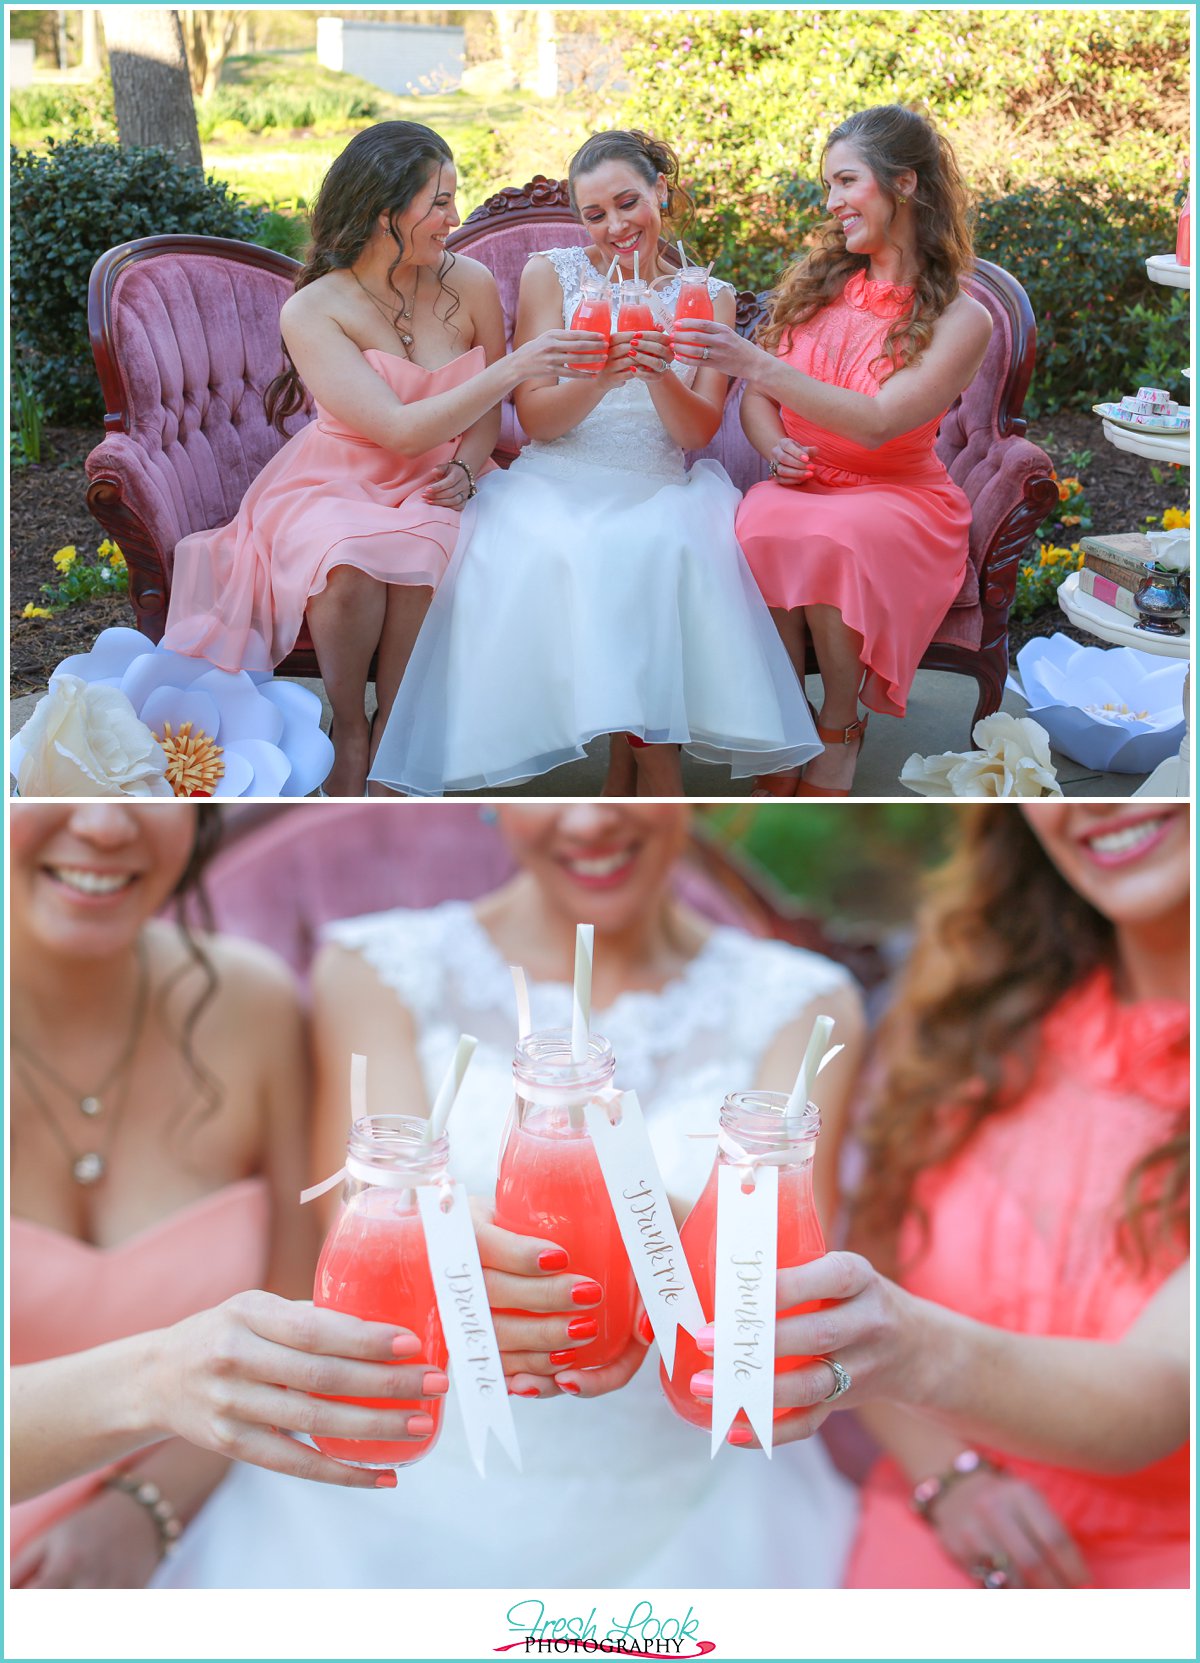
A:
[393,317]
[89,1167]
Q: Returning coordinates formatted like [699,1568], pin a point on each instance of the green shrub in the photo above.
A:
[267,91]
[69,204]
[1082,262]
[41,112]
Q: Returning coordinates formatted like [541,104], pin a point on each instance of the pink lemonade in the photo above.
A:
[550,1186]
[594,313]
[374,1265]
[798,1239]
[636,314]
[693,302]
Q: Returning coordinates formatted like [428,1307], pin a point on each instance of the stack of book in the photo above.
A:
[1114,567]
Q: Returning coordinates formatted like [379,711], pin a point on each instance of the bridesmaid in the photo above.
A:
[859,539]
[401,345]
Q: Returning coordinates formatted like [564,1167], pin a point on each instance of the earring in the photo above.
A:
[488,816]
[664,204]
[900,201]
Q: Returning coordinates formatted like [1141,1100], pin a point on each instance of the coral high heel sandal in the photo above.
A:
[834,736]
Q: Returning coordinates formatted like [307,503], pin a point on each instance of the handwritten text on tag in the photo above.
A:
[477,1372]
[744,1311]
[647,1225]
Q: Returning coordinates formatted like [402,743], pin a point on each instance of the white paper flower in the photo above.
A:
[1171,549]
[1013,760]
[225,734]
[1113,709]
[86,741]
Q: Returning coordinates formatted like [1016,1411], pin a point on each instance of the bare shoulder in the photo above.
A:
[343,979]
[325,302]
[251,974]
[970,319]
[538,275]
[471,277]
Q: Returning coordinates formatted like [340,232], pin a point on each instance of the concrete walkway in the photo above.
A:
[939,715]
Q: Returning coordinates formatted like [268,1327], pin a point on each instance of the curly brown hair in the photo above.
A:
[1003,936]
[647,156]
[379,172]
[890,139]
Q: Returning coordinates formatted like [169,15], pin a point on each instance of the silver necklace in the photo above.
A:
[392,317]
[89,1167]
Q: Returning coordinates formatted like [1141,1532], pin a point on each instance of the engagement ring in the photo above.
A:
[993,1572]
[841,1380]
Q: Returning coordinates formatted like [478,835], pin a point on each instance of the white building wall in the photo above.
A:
[401,58]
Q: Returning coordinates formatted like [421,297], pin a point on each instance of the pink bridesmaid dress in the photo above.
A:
[328,498]
[67,1295]
[879,534]
[1024,1236]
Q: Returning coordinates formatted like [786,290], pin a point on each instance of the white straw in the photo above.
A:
[635,265]
[358,1085]
[581,1013]
[521,989]
[448,1090]
[817,1044]
[616,261]
[682,255]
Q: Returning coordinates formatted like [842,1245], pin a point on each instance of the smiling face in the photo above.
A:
[864,210]
[429,218]
[600,863]
[86,877]
[620,213]
[1130,863]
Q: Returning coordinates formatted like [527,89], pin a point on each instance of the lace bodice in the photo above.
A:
[624,430]
[681,1049]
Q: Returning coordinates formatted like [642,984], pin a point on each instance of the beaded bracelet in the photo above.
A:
[930,1491]
[148,1495]
[472,488]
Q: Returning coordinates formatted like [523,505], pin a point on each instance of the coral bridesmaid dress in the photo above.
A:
[1024,1236]
[879,534]
[69,1296]
[328,498]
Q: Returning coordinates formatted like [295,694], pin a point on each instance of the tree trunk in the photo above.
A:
[208,34]
[152,94]
[61,49]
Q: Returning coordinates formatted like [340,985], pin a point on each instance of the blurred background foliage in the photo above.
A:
[858,868]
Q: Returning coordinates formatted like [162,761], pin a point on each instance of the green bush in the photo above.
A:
[265,91]
[1082,262]
[71,202]
[1070,124]
[58,111]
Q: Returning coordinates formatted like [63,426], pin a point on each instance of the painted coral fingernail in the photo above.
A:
[568,1386]
[706,1337]
[558,1358]
[739,1435]
[420,1424]
[645,1329]
[386,1481]
[405,1345]
[583,1328]
[702,1383]
[553,1258]
[587,1293]
[525,1391]
[434,1383]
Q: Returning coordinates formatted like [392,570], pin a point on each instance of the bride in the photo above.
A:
[615,1491]
[598,587]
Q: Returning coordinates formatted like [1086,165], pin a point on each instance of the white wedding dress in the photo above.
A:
[616,1491]
[596,587]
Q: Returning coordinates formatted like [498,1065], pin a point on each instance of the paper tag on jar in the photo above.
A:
[647,1224]
[476,1370]
[744,1305]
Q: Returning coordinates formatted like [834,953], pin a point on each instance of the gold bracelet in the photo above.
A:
[148,1495]
[472,488]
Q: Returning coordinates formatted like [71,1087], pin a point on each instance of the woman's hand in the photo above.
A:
[544,1312]
[450,487]
[791,463]
[718,345]
[872,1327]
[237,1378]
[649,354]
[994,1525]
[550,354]
[108,1542]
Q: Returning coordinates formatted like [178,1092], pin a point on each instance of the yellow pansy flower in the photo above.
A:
[66,557]
[32,611]
[1177,519]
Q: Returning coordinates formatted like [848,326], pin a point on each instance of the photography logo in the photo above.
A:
[644,1633]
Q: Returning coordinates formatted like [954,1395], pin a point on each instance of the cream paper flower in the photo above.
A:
[86,741]
[1013,760]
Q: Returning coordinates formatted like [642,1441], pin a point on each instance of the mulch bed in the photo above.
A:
[48,509]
